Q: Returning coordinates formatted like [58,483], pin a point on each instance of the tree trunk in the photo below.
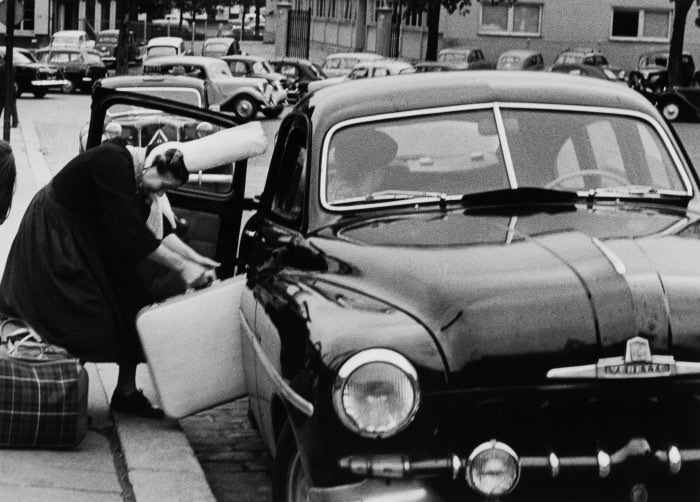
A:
[677,35]
[121,64]
[433,30]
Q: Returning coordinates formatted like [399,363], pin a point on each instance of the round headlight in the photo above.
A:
[376,393]
[204,129]
[493,469]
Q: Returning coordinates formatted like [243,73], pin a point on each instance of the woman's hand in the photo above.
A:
[197,276]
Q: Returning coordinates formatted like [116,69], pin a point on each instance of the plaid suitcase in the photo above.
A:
[42,404]
[43,392]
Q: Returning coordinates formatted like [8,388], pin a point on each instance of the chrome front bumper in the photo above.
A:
[49,83]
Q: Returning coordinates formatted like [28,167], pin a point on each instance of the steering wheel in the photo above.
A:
[582,174]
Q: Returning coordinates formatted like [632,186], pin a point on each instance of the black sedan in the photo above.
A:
[465,286]
[81,67]
[299,73]
[33,76]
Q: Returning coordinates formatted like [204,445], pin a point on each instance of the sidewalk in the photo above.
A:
[122,458]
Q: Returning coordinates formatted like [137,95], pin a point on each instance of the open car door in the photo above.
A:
[191,341]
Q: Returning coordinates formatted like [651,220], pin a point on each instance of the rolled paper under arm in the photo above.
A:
[223,147]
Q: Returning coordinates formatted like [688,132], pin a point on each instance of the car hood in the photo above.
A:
[510,297]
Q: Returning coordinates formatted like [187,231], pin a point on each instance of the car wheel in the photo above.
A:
[671,110]
[69,87]
[38,93]
[290,482]
[245,108]
[273,113]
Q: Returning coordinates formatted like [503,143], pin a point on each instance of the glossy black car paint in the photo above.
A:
[483,299]
[29,70]
[81,67]
[300,71]
[525,282]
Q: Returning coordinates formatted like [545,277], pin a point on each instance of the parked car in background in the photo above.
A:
[81,67]
[520,59]
[241,96]
[428,66]
[166,46]
[71,38]
[220,46]
[369,69]
[259,67]
[299,73]
[585,70]
[464,58]
[106,43]
[143,127]
[483,290]
[340,63]
[650,77]
[591,57]
[679,103]
[33,76]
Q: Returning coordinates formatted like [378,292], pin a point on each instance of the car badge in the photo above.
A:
[158,138]
[638,362]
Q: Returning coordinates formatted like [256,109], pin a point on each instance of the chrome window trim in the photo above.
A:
[162,88]
[497,108]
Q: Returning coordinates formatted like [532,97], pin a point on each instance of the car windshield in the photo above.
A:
[107,39]
[215,49]
[569,59]
[262,67]
[185,96]
[463,153]
[509,61]
[92,58]
[162,50]
[22,58]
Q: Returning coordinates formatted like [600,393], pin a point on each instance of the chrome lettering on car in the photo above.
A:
[638,362]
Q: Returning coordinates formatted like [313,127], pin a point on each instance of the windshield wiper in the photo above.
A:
[523,195]
[384,195]
[632,191]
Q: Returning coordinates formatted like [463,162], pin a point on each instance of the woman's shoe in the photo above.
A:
[135,404]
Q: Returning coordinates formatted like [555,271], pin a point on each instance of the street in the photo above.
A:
[235,461]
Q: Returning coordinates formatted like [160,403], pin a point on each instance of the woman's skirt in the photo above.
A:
[61,278]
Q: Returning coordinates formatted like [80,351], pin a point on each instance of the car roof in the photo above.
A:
[523,53]
[111,32]
[230,40]
[359,55]
[166,41]
[242,57]
[364,97]
[581,50]
[384,63]
[151,80]
[187,60]
[68,49]
[70,32]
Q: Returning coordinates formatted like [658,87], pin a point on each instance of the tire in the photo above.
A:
[671,109]
[289,481]
[274,113]
[69,87]
[245,108]
[39,93]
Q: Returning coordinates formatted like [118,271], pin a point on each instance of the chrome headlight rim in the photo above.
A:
[483,447]
[368,356]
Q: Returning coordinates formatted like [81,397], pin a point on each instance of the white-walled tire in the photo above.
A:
[671,110]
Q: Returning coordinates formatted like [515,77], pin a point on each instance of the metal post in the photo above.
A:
[9,74]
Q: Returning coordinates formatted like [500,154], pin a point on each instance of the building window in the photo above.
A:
[641,24]
[413,18]
[331,8]
[320,6]
[27,23]
[348,10]
[516,20]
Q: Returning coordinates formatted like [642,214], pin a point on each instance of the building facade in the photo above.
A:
[44,17]
[622,29]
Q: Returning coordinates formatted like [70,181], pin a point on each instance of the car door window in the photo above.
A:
[238,68]
[290,183]
[289,71]
[380,72]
